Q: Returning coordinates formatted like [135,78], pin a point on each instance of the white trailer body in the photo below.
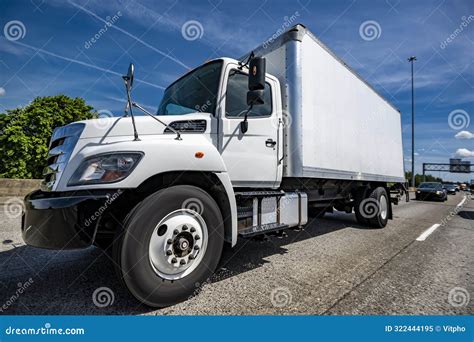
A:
[337,125]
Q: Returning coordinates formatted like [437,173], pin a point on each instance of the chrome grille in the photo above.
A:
[62,144]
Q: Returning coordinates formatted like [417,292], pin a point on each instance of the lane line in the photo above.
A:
[428,232]
[462,202]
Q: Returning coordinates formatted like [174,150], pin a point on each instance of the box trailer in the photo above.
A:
[339,127]
[236,149]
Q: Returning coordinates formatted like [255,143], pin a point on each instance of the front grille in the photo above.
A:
[62,144]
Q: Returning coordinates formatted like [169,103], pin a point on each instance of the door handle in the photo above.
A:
[270,143]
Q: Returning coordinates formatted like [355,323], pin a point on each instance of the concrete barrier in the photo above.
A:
[18,187]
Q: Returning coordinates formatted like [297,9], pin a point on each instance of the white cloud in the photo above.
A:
[464,153]
[464,135]
[2,91]
[7,47]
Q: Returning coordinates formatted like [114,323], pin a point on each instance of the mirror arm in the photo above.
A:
[125,110]
[244,124]
[178,135]
[242,64]
[247,112]
[129,100]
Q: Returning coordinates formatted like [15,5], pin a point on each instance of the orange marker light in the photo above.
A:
[199,155]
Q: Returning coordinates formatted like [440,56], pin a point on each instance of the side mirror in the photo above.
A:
[129,77]
[255,97]
[256,86]
[257,68]
[244,126]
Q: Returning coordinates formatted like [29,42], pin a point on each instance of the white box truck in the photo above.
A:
[240,148]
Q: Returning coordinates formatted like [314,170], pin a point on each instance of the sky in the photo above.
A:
[81,47]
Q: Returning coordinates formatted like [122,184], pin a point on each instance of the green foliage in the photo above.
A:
[25,133]
[419,178]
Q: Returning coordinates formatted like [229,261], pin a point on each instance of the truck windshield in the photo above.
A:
[194,92]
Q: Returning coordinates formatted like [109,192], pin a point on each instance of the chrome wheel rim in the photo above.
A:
[178,244]
[383,207]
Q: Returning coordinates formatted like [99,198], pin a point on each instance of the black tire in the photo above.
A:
[360,195]
[131,247]
[379,218]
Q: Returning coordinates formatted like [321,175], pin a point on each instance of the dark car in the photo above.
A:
[450,188]
[431,191]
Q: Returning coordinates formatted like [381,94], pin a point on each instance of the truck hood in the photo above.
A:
[146,125]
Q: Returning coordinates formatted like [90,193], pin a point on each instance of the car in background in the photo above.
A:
[450,188]
[463,187]
[431,191]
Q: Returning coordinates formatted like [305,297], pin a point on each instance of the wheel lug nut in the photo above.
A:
[193,229]
[169,252]
[182,262]
[197,237]
[191,257]
[174,261]
[169,241]
[175,232]
[185,227]
[196,247]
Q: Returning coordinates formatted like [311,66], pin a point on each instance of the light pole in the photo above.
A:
[411,60]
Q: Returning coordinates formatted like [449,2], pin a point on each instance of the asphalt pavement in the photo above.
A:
[421,263]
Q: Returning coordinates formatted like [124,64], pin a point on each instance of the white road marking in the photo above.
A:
[427,232]
[462,202]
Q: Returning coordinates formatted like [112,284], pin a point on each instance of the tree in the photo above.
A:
[419,178]
[25,133]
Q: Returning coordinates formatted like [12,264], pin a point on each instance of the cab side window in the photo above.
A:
[236,97]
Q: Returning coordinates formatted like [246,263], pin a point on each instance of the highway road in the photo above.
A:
[421,263]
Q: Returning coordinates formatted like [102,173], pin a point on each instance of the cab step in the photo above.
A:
[262,229]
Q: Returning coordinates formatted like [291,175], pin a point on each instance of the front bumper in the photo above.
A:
[66,222]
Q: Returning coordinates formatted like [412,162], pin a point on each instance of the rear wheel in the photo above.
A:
[374,208]
[171,243]
[360,196]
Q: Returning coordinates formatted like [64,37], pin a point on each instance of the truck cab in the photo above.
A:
[97,173]
[220,88]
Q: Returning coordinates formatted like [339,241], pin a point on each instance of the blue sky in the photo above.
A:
[46,48]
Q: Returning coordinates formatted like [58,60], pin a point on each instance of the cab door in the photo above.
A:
[252,158]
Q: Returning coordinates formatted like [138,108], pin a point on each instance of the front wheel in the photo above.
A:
[171,243]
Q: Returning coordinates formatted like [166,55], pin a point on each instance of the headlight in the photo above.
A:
[438,192]
[418,191]
[105,168]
